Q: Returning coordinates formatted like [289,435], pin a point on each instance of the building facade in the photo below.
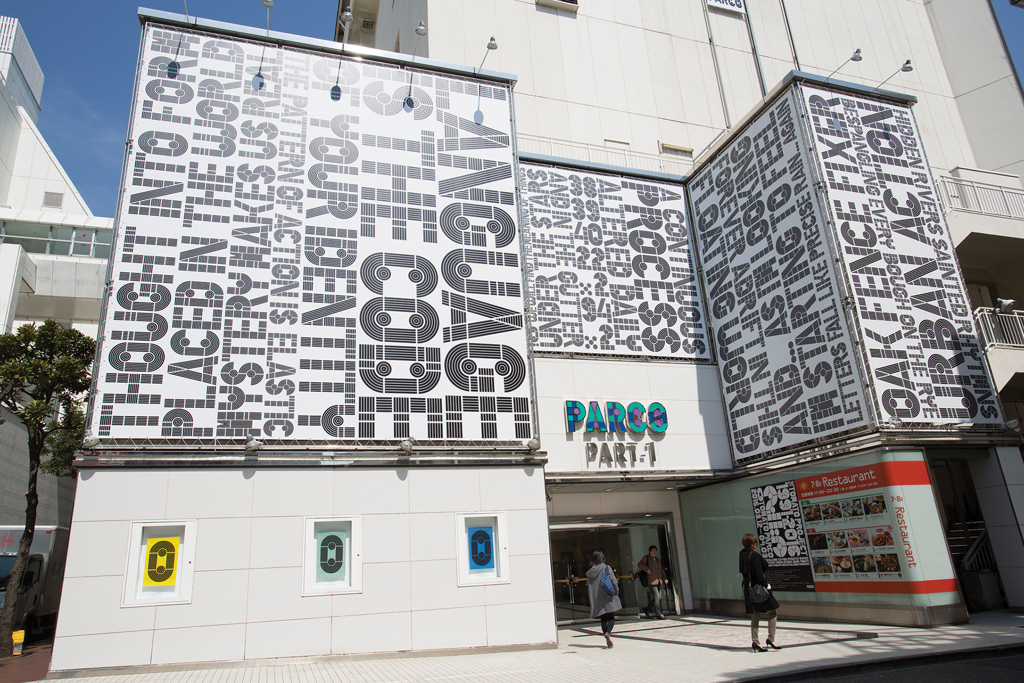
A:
[53,252]
[698,274]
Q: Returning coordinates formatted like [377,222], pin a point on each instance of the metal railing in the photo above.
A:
[1000,329]
[993,200]
[601,154]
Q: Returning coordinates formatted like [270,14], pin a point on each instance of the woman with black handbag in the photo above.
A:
[757,592]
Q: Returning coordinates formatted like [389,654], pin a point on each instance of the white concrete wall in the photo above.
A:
[980,73]
[696,437]
[641,71]
[246,600]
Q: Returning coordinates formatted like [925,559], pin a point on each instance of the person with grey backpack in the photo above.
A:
[604,594]
[757,592]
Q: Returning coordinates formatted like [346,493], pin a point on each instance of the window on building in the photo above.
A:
[44,239]
[53,200]
[677,151]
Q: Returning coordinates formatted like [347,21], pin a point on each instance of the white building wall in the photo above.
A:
[696,437]
[246,599]
[642,72]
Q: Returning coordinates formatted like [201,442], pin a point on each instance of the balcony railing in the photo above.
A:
[1000,329]
[993,200]
[600,154]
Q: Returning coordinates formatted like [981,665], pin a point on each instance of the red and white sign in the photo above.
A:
[859,529]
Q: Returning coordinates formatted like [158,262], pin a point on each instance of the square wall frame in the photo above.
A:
[487,533]
[332,555]
[161,560]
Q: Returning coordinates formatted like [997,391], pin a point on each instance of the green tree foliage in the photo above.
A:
[44,371]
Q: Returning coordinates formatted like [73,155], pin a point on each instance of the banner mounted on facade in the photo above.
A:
[921,346]
[312,249]
[730,5]
[786,358]
[609,266]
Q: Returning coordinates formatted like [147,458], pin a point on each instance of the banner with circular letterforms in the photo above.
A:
[312,249]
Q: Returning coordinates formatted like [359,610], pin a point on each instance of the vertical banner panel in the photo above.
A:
[609,265]
[312,248]
[785,354]
[921,346]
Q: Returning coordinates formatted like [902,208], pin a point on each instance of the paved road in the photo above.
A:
[995,670]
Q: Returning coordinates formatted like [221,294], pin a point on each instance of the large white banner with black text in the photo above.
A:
[784,350]
[609,266]
[334,255]
[922,348]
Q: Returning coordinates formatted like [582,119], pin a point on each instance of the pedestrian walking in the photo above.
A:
[755,600]
[654,578]
[604,594]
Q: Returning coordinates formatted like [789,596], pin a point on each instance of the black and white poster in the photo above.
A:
[922,348]
[781,539]
[609,266]
[785,355]
[313,248]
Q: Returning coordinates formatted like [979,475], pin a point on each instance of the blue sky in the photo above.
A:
[88,51]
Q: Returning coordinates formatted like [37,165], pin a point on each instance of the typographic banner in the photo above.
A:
[785,354]
[781,538]
[729,5]
[312,248]
[609,266]
[921,344]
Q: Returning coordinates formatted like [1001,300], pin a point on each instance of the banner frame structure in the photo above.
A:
[445,448]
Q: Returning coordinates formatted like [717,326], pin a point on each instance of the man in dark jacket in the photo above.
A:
[654,573]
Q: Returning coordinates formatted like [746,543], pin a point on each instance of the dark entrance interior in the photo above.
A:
[623,542]
[968,540]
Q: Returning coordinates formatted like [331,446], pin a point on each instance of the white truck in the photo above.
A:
[44,575]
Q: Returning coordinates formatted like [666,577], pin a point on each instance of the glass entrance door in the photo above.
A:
[623,544]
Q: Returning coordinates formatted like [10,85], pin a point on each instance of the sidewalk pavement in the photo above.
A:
[694,648]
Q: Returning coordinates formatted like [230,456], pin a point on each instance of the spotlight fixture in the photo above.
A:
[1006,306]
[252,444]
[406,445]
[533,444]
[421,30]
[1013,426]
[855,57]
[345,19]
[906,68]
[894,422]
[90,440]
[492,44]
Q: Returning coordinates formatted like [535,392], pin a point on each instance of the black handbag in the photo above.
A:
[757,593]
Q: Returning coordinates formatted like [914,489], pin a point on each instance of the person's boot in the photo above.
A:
[608,639]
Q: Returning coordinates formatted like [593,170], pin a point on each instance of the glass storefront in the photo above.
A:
[624,542]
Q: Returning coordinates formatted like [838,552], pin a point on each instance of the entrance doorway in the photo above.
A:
[969,546]
[624,542]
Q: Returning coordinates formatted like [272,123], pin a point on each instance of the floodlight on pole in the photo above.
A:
[855,57]
[906,68]
[492,44]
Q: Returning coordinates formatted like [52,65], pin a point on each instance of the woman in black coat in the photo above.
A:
[753,567]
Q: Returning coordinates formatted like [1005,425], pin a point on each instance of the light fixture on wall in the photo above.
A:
[894,422]
[906,68]
[406,446]
[421,31]
[855,57]
[252,445]
[1006,306]
[345,19]
[492,44]
[533,444]
[90,440]
[258,81]
[1013,426]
